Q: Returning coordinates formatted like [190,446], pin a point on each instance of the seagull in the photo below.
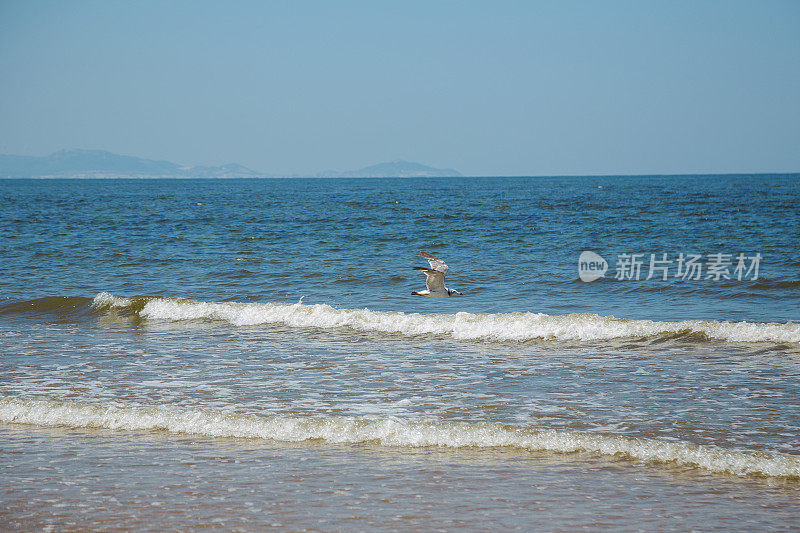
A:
[434,278]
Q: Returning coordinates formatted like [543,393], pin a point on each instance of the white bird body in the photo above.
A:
[434,278]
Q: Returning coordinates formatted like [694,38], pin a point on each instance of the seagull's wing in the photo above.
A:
[434,279]
[436,263]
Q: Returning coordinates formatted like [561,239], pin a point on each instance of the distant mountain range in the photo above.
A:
[394,169]
[102,164]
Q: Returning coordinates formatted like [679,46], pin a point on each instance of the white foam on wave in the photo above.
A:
[517,326]
[106,299]
[392,432]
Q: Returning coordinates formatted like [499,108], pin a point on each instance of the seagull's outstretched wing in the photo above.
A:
[436,263]
[434,278]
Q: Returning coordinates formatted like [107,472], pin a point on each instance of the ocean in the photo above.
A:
[247,354]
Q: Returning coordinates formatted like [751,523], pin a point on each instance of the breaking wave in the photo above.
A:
[392,433]
[517,326]
[498,327]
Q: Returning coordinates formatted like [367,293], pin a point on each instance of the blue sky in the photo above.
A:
[488,88]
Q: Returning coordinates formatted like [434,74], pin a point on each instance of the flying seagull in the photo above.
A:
[434,278]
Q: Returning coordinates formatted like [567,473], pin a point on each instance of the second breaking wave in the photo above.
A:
[392,432]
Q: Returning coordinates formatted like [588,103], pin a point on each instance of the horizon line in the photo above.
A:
[475,176]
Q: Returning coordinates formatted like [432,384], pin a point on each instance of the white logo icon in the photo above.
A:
[591,266]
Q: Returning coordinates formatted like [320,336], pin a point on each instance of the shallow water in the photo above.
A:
[101,479]
[158,366]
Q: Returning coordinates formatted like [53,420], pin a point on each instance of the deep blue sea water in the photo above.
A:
[512,243]
[153,331]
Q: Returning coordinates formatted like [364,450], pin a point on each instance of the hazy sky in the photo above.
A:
[488,88]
